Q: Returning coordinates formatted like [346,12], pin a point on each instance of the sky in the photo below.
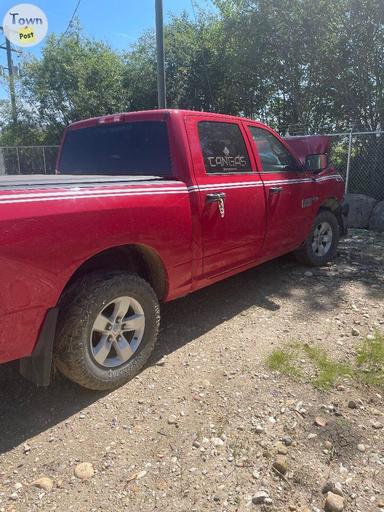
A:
[119,22]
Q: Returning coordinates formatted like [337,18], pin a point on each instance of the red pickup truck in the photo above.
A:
[147,207]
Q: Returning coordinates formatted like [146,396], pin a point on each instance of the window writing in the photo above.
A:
[223,148]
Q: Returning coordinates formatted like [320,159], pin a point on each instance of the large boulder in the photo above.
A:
[360,210]
[376,222]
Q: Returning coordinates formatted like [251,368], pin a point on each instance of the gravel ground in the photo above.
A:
[207,426]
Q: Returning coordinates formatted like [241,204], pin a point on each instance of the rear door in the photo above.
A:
[289,191]
[231,193]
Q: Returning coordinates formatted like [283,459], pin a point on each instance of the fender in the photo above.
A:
[340,211]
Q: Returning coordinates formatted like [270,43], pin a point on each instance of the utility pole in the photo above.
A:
[161,90]
[11,79]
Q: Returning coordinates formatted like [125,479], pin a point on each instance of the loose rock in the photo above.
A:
[360,210]
[216,441]
[333,487]
[320,421]
[280,464]
[260,497]
[84,471]
[282,449]
[26,448]
[172,420]
[334,503]
[44,483]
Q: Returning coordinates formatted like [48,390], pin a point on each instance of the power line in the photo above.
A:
[71,20]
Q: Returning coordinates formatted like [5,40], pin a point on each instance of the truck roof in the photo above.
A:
[160,113]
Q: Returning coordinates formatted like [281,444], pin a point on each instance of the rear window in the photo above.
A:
[133,149]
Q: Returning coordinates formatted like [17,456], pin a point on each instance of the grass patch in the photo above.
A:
[323,371]
[328,371]
[283,361]
[370,361]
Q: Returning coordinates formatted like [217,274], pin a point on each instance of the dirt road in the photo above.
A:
[206,424]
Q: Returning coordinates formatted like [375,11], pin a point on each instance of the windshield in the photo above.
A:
[133,149]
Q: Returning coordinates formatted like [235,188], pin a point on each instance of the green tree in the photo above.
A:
[317,63]
[75,78]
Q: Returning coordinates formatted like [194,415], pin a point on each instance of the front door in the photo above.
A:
[289,192]
[231,194]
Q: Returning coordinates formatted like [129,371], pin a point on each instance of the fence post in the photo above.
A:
[18,159]
[45,163]
[348,162]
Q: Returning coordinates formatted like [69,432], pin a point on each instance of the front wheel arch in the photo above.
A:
[331,204]
[306,253]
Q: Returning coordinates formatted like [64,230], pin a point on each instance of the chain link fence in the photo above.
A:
[359,158]
[28,159]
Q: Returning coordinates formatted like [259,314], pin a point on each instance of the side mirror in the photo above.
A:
[316,163]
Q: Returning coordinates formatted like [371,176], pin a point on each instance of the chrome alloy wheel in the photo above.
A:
[117,332]
[322,239]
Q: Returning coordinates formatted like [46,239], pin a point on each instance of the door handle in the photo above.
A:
[215,198]
[275,190]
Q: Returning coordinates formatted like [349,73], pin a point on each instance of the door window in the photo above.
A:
[223,148]
[273,154]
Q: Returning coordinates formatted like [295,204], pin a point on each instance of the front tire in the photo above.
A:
[107,329]
[321,243]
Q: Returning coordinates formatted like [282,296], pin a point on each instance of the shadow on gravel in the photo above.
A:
[360,260]
[26,410]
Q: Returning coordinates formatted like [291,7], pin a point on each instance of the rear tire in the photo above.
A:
[321,243]
[107,329]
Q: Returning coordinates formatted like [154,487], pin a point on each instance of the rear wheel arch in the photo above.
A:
[136,258]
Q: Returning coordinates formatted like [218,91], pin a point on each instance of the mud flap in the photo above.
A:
[37,367]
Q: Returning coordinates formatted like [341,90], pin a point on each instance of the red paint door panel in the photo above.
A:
[234,236]
[287,188]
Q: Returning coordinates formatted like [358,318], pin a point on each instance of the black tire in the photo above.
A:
[79,307]
[305,254]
